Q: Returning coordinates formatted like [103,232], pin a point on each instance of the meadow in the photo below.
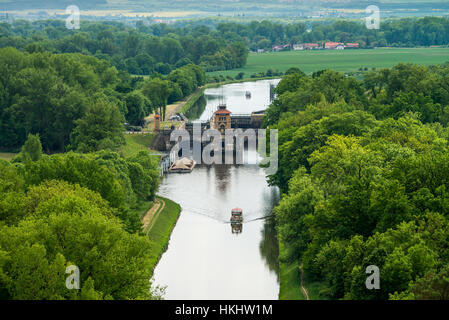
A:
[340,60]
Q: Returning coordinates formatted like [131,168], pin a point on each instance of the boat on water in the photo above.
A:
[184,165]
[236,216]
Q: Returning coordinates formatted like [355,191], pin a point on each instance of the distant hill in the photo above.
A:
[49,4]
[222,6]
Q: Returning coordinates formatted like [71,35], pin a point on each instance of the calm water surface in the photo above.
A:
[205,260]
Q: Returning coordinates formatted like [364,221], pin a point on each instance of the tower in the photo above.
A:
[157,122]
[222,119]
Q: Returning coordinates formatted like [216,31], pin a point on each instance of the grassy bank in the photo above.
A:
[136,143]
[141,207]
[339,60]
[193,99]
[290,282]
[162,229]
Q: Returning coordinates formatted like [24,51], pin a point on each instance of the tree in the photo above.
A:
[362,191]
[136,106]
[32,149]
[78,169]
[433,285]
[144,175]
[11,194]
[75,230]
[158,91]
[100,128]
[239,76]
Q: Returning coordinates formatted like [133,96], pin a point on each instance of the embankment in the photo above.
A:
[162,228]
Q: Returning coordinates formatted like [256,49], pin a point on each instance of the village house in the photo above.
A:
[334,46]
[305,46]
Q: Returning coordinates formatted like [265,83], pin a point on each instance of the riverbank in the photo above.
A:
[161,226]
[295,284]
[136,143]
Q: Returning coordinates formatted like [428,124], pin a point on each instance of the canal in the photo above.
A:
[205,259]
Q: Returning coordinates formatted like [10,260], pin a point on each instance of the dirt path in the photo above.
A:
[303,288]
[146,220]
[150,218]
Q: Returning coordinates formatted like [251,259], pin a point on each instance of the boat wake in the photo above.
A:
[251,217]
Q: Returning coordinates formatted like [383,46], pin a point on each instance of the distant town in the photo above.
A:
[313,46]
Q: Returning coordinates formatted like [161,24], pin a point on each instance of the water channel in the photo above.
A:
[206,258]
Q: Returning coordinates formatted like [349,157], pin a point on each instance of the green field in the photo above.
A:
[340,60]
[7,155]
[136,143]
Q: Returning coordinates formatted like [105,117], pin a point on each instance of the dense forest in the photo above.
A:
[362,162]
[364,171]
[75,208]
[72,196]
[79,102]
[141,50]
[145,49]
[405,32]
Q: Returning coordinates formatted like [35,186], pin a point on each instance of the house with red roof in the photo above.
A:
[334,46]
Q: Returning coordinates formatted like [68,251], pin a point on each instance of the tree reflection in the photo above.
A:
[269,246]
[197,109]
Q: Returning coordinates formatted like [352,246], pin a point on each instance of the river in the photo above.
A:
[205,259]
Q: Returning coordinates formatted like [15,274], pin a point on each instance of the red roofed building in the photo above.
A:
[334,45]
[222,118]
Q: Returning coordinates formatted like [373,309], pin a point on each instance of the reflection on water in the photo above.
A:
[208,257]
[237,228]
[197,109]
[269,246]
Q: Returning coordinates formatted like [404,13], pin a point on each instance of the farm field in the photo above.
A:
[340,60]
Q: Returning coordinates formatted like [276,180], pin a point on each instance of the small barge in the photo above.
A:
[236,216]
[184,165]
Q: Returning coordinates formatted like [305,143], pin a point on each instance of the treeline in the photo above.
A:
[78,102]
[363,169]
[75,209]
[141,50]
[408,32]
